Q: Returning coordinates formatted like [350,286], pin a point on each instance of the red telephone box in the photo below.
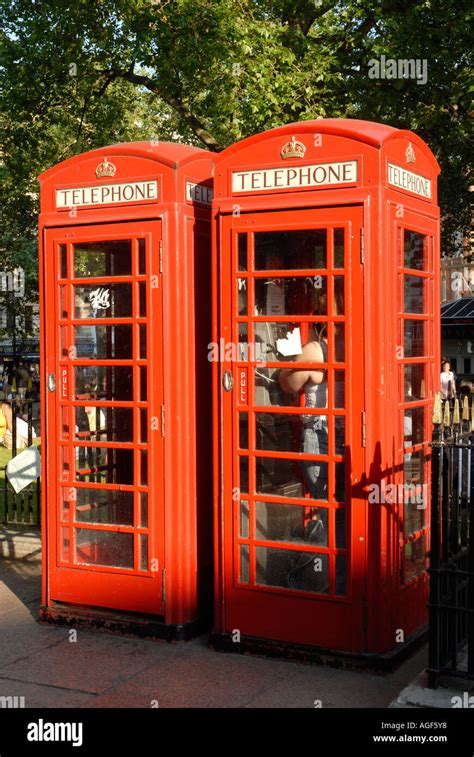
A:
[326,251]
[125,301]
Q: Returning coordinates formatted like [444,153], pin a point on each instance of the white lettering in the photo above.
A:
[317,175]
[412,182]
[102,194]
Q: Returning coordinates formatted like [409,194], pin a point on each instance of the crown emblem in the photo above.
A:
[410,154]
[106,168]
[293,149]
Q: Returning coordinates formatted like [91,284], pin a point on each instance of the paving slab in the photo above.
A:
[34,695]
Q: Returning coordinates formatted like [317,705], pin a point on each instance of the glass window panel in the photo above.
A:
[141,257]
[414,432]
[340,528]
[63,261]
[269,392]
[65,545]
[302,571]
[243,353]
[339,389]
[142,299]
[142,345]
[414,250]
[279,476]
[112,258]
[415,558]
[414,338]
[143,383]
[275,431]
[339,342]
[143,551]
[242,247]
[104,382]
[291,523]
[143,425]
[104,506]
[143,467]
[340,471]
[244,473]
[414,294]
[105,424]
[339,248]
[416,508]
[103,301]
[296,295]
[63,300]
[338,304]
[290,249]
[244,572]
[104,466]
[143,509]
[315,472]
[341,578]
[414,468]
[243,430]
[104,342]
[244,519]
[242,296]
[340,432]
[283,341]
[104,548]
[414,382]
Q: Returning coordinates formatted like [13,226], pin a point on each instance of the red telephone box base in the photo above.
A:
[386,662]
[124,624]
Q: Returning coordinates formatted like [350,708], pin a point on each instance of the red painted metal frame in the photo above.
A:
[386,604]
[181,497]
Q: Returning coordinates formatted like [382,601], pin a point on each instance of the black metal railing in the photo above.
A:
[24,507]
[451,605]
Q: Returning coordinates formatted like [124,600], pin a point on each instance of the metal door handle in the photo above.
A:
[227,381]
[52,382]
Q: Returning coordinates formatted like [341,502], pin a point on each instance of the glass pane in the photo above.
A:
[105,424]
[279,476]
[244,571]
[315,473]
[143,425]
[104,548]
[104,342]
[283,341]
[104,506]
[413,468]
[339,389]
[143,551]
[414,250]
[340,471]
[143,350]
[414,339]
[341,528]
[243,431]
[103,301]
[143,509]
[102,382]
[303,571]
[295,295]
[65,545]
[416,508]
[244,519]
[242,245]
[339,342]
[244,474]
[143,383]
[103,259]
[338,304]
[291,523]
[269,392]
[414,382]
[278,432]
[414,287]
[341,575]
[340,431]
[63,261]
[141,257]
[339,248]
[242,285]
[415,558]
[290,249]
[142,299]
[104,466]
[414,431]
[143,467]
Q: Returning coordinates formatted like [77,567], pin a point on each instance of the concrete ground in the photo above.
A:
[40,664]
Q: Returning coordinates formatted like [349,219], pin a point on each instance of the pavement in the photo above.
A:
[46,667]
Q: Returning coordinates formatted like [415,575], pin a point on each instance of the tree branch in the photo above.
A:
[197,127]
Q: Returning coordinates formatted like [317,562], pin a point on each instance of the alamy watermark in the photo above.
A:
[399,68]
[13,281]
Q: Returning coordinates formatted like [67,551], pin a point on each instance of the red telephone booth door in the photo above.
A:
[104,400]
[294,514]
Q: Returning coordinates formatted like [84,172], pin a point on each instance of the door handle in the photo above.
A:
[51,382]
[227,381]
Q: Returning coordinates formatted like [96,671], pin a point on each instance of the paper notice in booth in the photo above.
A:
[291,345]
[24,468]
